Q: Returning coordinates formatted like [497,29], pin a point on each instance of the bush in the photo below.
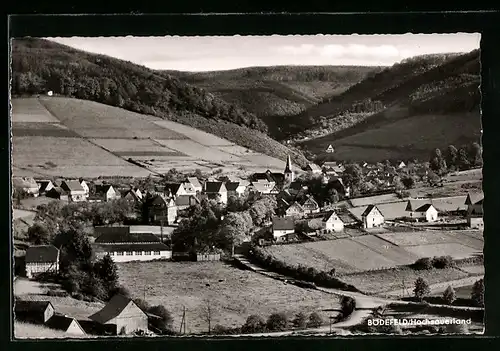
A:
[449,295]
[277,322]
[143,305]
[442,262]
[477,294]
[347,306]
[300,320]
[254,324]
[423,263]
[314,320]
[421,288]
[166,320]
[78,296]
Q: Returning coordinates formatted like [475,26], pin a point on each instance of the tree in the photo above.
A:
[142,304]
[477,294]
[277,322]
[449,295]
[207,314]
[332,196]
[347,305]
[107,271]
[408,182]
[451,156]
[474,153]
[421,288]
[234,230]
[352,176]
[38,234]
[166,321]
[463,161]
[300,320]
[314,320]
[433,178]
[437,163]
[254,324]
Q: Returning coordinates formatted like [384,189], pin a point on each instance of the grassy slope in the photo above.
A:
[40,65]
[280,90]
[442,92]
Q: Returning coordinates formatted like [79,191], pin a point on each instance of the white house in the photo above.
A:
[44,186]
[217,191]
[175,189]
[106,192]
[372,217]
[235,188]
[420,211]
[41,259]
[310,205]
[75,191]
[85,187]
[282,226]
[474,215]
[332,221]
[195,184]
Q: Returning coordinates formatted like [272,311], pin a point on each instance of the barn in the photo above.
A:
[41,259]
[66,324]
[33,311]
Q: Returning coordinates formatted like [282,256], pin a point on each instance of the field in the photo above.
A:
[88,139]
[35,331]
[232,300]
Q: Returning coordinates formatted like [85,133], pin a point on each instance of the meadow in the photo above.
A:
[231,293]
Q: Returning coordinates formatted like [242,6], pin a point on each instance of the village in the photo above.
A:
[321,204]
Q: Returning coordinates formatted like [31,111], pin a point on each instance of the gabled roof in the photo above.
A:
[31,306]
[309,199]
[24,182]
[42,254]
[369,209]
[283,203]
[215,187]
[173,187]
[193,180]
[162,199]
[112,309]
[329,214]
[474,199]
[283,223]
[232,186]
[71,185]
[121,234]
[186,200]
[262,176]
[130,194]
[44,184]
[60,322]
[102,188]
[424,208]
[296,205]
[313,167]
[58,190]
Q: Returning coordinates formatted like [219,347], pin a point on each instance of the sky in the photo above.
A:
[212,53]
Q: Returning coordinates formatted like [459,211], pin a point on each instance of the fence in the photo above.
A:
[208,257]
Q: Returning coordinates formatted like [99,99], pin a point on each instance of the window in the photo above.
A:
[129,253]
[111,253]
[119,253]
[139,253]
[156,253]
[147,252]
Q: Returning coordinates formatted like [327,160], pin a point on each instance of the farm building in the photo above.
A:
[66,324]
[33,311]
[106,192]
[235,188]
[123,315]
[185,201]
[313,168]
[474,216]
[331,221]
[57,193]
[216,191]
[44,186]
[41,259]
[75,191]
[294,210]
[417,211]
[372,217]
[163,209]
[310,205]
[26,184]
[281,226]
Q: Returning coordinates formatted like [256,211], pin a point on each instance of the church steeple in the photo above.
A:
[289,174]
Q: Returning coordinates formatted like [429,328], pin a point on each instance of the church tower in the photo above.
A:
[289,174]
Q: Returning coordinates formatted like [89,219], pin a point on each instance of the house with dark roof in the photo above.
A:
[44,186]
[41,259]
[294,210]
[66,324]
[124,246]
[372,217]
[310,205]
[185,201]
[123,314]
[235,188]
[332,168]
[216,191]
[331,221]
[281,227]
[106,192]
[57,193]
[75,191]
[421,211]
[162,209]
[474,203]
[131,195]
[175,189]
[37,312]
[271,177]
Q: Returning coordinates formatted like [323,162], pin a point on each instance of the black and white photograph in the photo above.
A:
[246,186]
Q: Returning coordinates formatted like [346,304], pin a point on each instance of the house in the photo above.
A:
[262,187]
[310,205]
[331,221]
[124,246]
[38,312]
[217,191]
[123,314]
[195,184]
[372,217]
[235,188]
[185,201]
[44,186]
[163,209]
[332,168]
[271,177]
[474,203]
[294,210]
[175,189]
[41,259]
[289,174]
[57,193]
[401,165]
[26,184]
[74,190]
[106,192]
[418,211]
[85,187]
[66,324]
[313,168]
[281,227]
[131,195]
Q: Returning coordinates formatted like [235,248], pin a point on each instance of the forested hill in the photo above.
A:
[40,65]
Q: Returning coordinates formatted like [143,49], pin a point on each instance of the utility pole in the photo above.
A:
[183,320]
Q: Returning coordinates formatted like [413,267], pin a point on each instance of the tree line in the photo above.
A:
[453,159]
